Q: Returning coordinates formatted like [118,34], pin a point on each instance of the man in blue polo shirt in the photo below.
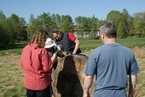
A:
[112,64]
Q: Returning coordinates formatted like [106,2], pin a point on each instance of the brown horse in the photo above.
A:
[68,76]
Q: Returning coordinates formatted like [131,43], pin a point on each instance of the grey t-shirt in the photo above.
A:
[111,63]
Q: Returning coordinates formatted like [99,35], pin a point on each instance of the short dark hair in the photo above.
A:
[109,30]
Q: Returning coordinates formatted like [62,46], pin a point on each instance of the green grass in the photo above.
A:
[91,44]
[11,75]
[10,51]
[129,42]
[133,42]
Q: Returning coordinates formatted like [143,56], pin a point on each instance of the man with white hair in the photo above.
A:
[111,63]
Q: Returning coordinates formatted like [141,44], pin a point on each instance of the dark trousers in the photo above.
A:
[42,93]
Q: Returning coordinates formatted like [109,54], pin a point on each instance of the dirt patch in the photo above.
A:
[10,59]
[139,52]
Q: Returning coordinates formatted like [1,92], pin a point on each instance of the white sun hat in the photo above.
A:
[49,43]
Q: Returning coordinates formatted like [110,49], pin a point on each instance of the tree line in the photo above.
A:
[14,28]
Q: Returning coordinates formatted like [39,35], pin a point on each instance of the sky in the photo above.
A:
[74,8]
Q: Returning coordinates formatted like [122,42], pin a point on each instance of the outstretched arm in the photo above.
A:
[77,42]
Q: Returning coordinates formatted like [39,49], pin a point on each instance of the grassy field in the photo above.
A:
[129,42]
[11,76]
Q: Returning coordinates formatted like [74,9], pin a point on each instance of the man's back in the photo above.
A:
[111,63]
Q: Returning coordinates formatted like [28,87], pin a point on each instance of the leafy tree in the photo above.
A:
[120,20]
[82,26]
[4,36]
[114,17]
[121,29]
[44,21]
[67,23]
[4,39]
[94,25]
[87,25]
[17,27]
[139,24]
[56,18]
